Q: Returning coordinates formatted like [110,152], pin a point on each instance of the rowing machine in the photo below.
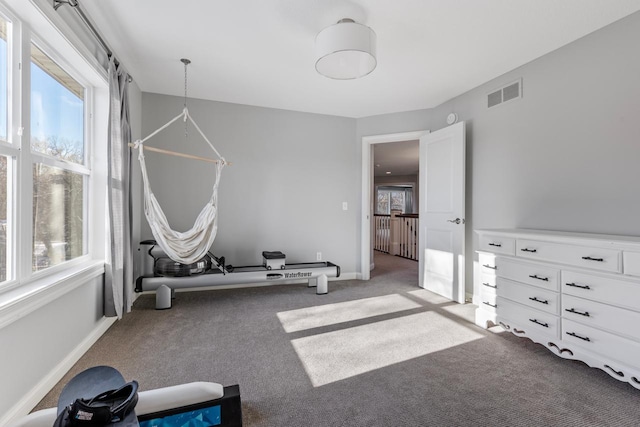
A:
[166,275]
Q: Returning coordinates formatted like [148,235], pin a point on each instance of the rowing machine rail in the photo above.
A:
[316,273]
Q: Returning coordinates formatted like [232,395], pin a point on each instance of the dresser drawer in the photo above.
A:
[623,293]
[488,299]
[609,345]
[497,244]
[528,320]
[543,276]
[602,316]
[487,263]
[532,296]
[609,260]
[488,281]
[631,263]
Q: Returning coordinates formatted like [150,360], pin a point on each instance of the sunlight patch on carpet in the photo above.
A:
[338,355]
[331,314]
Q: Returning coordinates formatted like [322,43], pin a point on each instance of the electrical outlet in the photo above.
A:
[319,256]
[344,206]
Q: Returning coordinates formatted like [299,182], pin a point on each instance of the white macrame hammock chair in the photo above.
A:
[189,246]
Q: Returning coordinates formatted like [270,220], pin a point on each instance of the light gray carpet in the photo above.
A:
[376,353]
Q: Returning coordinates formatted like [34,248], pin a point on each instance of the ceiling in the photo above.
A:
[398,158]
[261,52]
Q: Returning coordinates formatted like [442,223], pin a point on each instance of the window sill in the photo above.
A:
[22,300]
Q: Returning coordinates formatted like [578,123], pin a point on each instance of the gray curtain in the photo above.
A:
[118,295]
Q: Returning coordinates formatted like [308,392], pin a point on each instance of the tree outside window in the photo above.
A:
[57,132]
[394,198]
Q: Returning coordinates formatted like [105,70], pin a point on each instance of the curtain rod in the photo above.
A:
[76,6]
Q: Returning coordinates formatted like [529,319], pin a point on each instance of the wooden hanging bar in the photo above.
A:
[175,153]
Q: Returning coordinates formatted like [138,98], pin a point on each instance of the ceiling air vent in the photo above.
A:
[504,94]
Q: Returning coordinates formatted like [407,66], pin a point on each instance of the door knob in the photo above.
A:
[455,221]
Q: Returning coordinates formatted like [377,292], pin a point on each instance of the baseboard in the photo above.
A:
[40,390]
[468,297]
[346,276]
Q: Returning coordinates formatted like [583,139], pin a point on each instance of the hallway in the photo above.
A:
[395,267]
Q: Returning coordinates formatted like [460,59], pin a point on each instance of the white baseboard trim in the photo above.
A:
[40,390]
[468,297]
[346,276]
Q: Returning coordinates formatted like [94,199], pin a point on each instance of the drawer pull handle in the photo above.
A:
[573,285]
[535,276]
[497,245]
[490,286]
[588,258]
[546,325]
[518,331]
[493,267]
[529,250]
[618,373]
[489,304]
[542,301]
[573,334]
[581,313]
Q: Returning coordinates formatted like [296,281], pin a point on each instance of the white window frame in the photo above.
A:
[11,149]
[84,169]
[29,290]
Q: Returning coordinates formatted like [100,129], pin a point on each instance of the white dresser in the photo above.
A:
[577,294]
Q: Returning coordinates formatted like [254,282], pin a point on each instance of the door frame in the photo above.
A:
[366,207]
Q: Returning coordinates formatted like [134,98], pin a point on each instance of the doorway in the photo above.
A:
[383,143]
[441,242]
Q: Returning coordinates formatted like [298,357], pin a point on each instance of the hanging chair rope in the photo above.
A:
[185,114]
[192,245]
[189,246]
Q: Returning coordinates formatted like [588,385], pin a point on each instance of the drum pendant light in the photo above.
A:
[346,50]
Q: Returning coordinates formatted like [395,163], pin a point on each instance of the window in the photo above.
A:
[57,110]
[45,177]
[4,187]
[58,219]
[4,72]
[57,145]
[6,162]
[391,198]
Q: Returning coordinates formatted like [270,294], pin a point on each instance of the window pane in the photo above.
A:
[4,78]
[4,205]
[57,110]
[58,216]
[397,200]
[383,202]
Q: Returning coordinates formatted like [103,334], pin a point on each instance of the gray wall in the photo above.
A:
[34,345]
[565,156]
[291,173]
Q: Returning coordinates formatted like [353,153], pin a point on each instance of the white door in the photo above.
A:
[442,194]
